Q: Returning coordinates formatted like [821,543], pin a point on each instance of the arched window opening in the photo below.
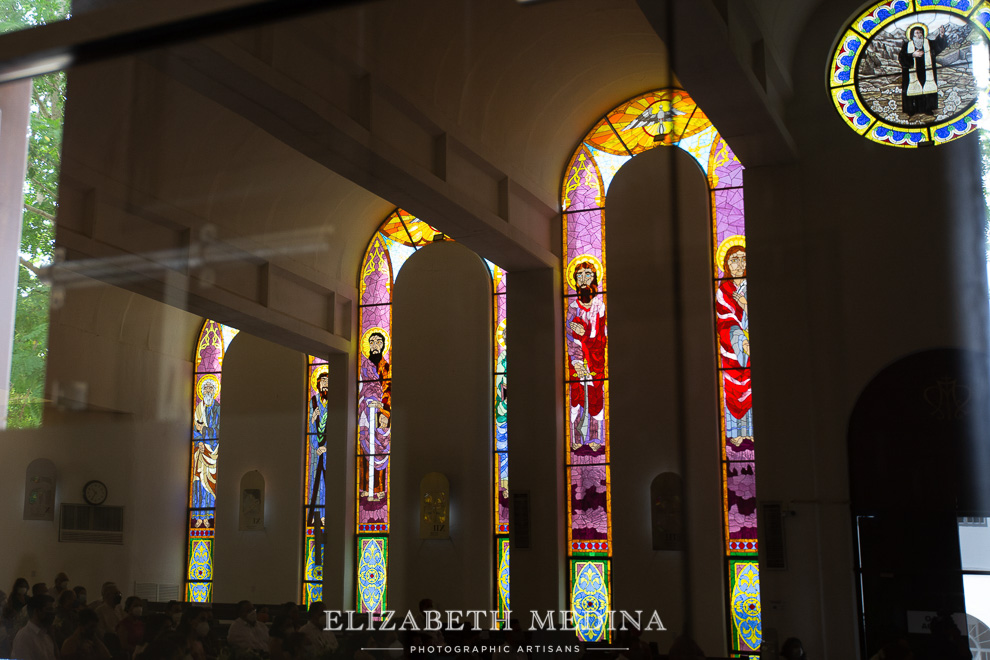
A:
[213,342]
[314,484]
[399,236]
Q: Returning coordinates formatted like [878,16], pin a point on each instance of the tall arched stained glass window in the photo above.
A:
[398,237]
[500,419]
[662,117]
[314,482]
[213,342]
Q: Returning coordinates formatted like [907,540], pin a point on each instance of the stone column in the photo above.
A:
[535,376]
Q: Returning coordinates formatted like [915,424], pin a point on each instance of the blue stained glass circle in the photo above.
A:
[866,82]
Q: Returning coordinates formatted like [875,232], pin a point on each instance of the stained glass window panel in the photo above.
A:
[724,169]
[657,118]
[844,99]
[589,526]
[699,146]
[199,592]
[607,164]
[583,186]
[590,598]
[317,378]
[212,344]
[744,577]
[501,493]
[502,576]
[587,430]
[206,406]
[203,480]
[740,505]
[372,487]
[585,240]
[730,223]
[200,559]
[661,117]
[371,574]
[906,73]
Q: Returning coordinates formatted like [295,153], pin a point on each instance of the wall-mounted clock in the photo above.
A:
[95,492]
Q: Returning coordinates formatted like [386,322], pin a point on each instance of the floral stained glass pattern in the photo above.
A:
[662,117]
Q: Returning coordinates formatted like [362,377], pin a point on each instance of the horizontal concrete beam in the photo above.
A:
[370,135]
[125,28]
[169,258]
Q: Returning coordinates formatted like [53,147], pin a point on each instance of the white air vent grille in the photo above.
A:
[157,593]
[81,523]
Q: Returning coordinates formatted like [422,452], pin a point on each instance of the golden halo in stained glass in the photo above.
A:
[593,260]
[365,338]
[314,376]
[923,26]
[208,378]
[730,242]
[500,333]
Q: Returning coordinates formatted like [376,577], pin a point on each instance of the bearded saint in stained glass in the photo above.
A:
[318,434]
[374,418]
[732,321]
[586,341]
[206,417]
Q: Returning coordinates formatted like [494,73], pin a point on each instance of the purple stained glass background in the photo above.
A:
[589,503]
[740,479]
[502,471]
[377,316]
[372,511]
[584,236]
[583,187]
[729,218]
[744,452]
[726,170]
[210,356]
[377,287]
[585,455]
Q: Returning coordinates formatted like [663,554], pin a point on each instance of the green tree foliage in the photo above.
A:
[20,14]
[30,347]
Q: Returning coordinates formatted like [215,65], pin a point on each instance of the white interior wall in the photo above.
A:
[442,402]
[644,388]
[261,428]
